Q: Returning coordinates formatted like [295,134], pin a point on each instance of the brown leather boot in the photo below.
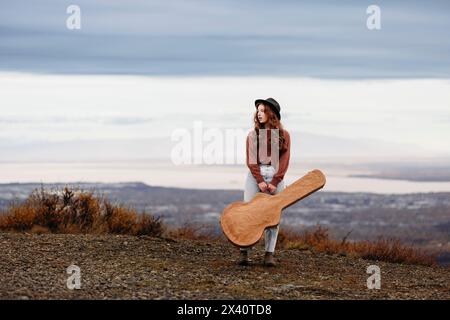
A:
[243,259]
[269,260]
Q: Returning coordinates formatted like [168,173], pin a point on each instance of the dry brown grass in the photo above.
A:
[75,211]
[389,250]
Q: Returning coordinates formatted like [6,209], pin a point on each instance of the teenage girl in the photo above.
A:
[264,175]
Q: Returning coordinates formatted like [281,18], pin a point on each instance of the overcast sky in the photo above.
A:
[345,90]
[327,39]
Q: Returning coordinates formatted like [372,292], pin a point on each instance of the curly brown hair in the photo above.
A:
[272,123]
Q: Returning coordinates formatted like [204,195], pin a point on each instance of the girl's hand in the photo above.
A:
[262,186]
[271,188]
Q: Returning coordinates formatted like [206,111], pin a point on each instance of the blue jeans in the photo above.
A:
[251,188]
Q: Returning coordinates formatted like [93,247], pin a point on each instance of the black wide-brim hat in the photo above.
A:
[272,103]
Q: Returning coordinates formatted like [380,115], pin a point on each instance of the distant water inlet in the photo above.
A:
[197,176]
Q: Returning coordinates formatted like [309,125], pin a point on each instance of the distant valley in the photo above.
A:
[422,219]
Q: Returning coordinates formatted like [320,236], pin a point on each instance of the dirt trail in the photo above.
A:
[125,267]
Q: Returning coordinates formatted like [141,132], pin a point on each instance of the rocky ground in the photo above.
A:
[34,266]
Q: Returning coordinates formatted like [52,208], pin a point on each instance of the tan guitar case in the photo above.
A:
[243,223]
